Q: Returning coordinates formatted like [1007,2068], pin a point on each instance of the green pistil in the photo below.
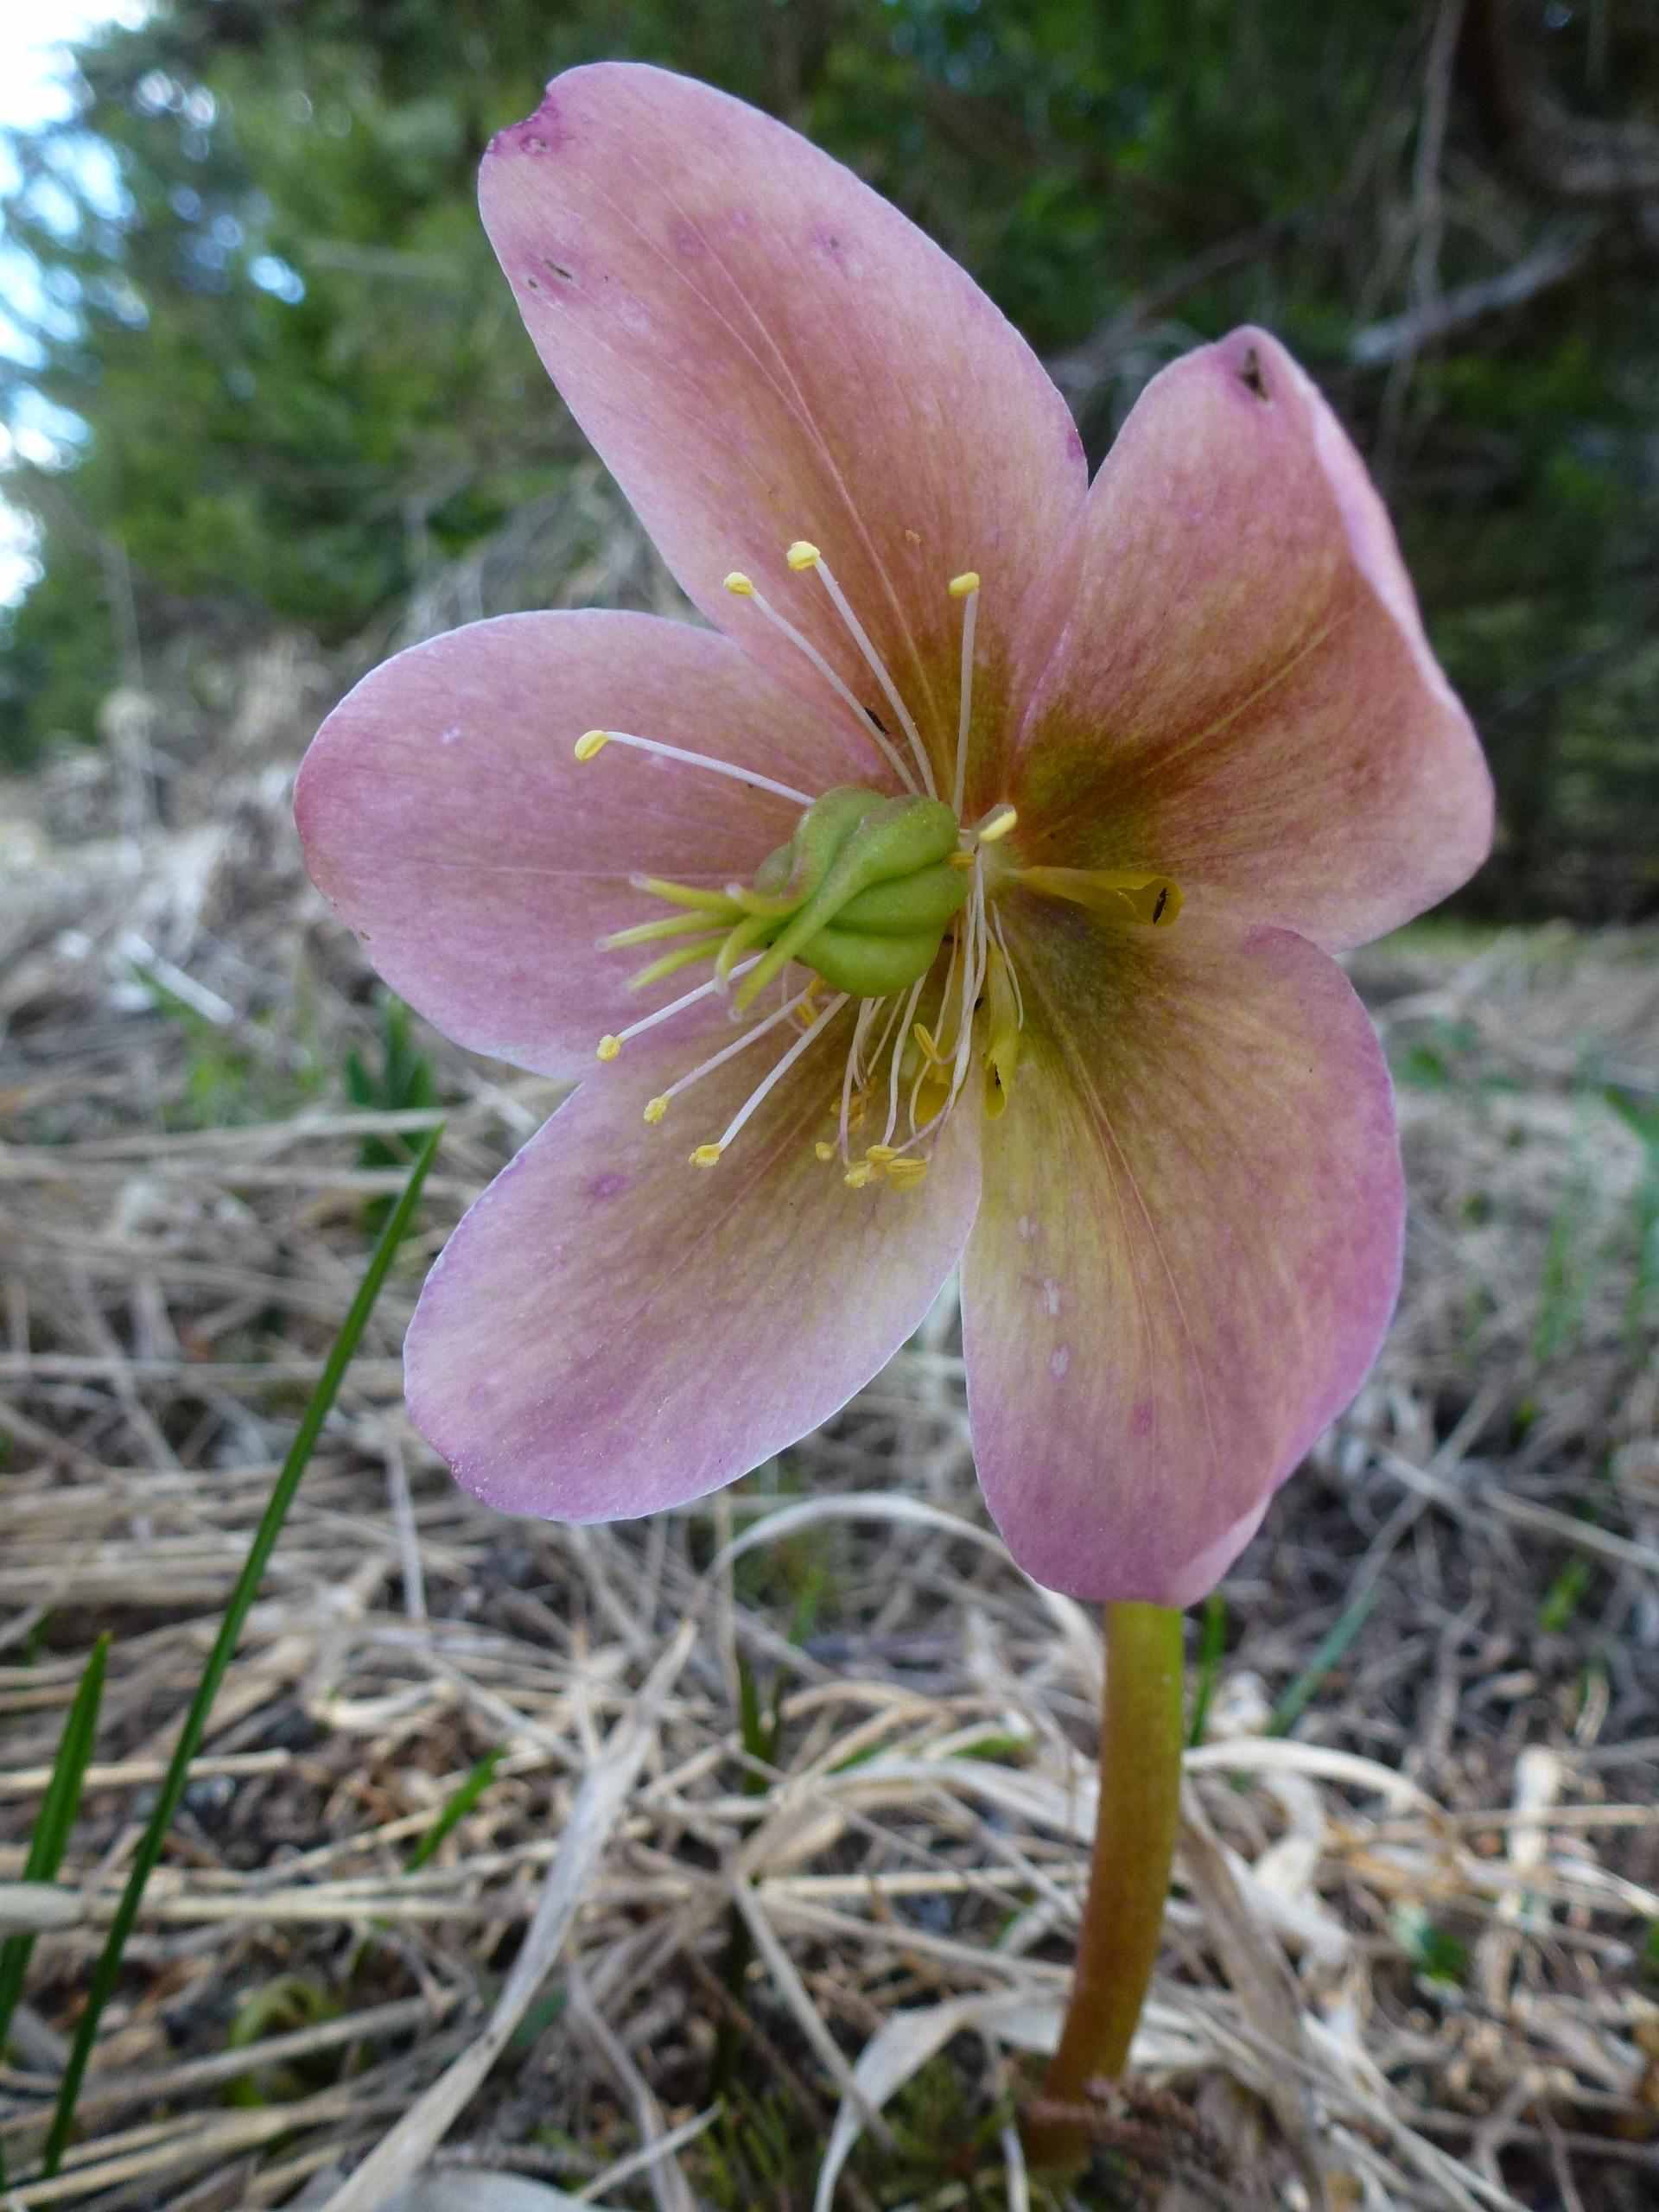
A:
[862,895]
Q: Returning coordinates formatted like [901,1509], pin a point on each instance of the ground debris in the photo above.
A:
[1428,1775]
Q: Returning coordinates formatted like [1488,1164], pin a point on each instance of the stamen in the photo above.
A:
[868,1010]
[897,1056]
[973,985]
[927,1072]
[1013,973]
[741,587]
[610,1046]
[946,1056]
[997,824]
[728,1053]
[706,1154]
[966,588]
[853,1073]
[887,1027]
[801,556]
[594,740]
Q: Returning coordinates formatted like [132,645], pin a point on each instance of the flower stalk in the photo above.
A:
[1136,1819]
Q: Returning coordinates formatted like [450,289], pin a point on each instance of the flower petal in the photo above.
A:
[763,350]
[611,1330]
[445,814]
[1245,698]
[1188,1247]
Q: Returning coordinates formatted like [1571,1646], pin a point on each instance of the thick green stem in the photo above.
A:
[1136,1822]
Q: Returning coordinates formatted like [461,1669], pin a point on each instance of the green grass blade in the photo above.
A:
[230,1629]
[57,1817]
[1301,1693]
[1212,1645]
[459,1801]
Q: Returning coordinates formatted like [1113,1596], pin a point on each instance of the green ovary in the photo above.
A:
[862,894]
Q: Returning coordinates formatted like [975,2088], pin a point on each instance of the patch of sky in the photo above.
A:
[274,275]
[77,176]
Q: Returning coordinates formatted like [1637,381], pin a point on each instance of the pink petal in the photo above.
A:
[1188,1247]
[1245,698]
[762,350]
[444,814]
[611,1330]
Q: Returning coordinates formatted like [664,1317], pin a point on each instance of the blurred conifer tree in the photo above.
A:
[304,389]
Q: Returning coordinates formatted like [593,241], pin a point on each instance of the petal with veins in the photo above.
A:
[1187,1251]
[611,1331]
[762,350]
[1244,696]
[444,814]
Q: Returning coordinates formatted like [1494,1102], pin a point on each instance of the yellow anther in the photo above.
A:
[959,587]
[997,824]
[858,1175]
[607,1048]
[904,1174]
[802,555]
[739,585]
[656,1108]
[879,1155]
[706,1155]
[590,741]
[959,860]
[929,1044]
[824,1151]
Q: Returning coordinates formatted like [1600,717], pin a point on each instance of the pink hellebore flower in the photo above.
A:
[988,855]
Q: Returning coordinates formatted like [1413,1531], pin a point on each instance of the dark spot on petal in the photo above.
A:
[1250,374]
[610,1185]
[558,269]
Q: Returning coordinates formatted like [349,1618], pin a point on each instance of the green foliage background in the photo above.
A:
[304,388]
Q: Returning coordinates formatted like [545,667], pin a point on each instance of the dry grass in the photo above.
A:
[665,1960]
